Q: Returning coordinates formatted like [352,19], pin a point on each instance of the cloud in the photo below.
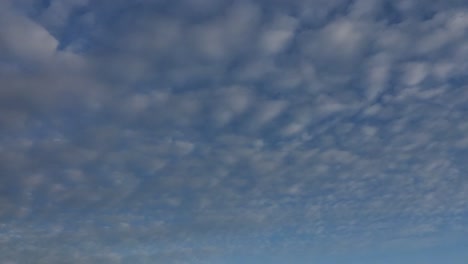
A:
[268,111]
[278,35]
[338,45]
[414,73]
[25,39]
[58,12]
[231,102]
[181,132]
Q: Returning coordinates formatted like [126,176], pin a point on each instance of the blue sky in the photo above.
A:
[206,131]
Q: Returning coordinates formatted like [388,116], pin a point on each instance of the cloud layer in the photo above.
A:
[154,131]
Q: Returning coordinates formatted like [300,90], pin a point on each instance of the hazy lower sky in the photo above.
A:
[233,132]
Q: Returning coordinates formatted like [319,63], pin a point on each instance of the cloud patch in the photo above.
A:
[187,132]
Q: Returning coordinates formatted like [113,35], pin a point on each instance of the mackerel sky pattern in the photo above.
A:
[242,131]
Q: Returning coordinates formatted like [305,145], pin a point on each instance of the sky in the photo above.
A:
[228,132]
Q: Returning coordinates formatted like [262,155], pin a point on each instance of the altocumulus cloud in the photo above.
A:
[182,131]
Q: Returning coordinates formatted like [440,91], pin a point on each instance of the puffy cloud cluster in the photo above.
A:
[181,131]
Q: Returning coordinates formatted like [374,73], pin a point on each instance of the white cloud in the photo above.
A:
[340,42]
[276,36]
[267,111]
[138,103]
[184,147]
[365,8]
[369,131]
[231,102]
[211,40]
[414,73]
[292,128]
[26,39]
[226,35]
[179,134]
[58,12]
[377,76]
